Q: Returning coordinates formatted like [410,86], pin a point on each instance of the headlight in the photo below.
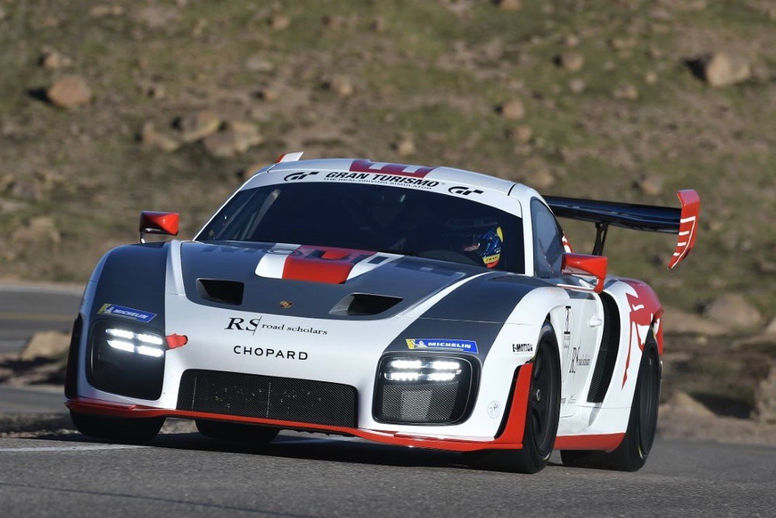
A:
[146,343]
[126,359]
[424,389]
[420,370]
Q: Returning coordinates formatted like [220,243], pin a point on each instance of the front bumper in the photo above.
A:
[511,436]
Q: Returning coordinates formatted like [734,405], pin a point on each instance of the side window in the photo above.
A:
[547,241]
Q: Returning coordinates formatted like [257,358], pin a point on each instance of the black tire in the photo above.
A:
[632,453]
[543,413]
[117,429]
[236,432]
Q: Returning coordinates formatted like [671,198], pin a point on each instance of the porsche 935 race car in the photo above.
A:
[417,306]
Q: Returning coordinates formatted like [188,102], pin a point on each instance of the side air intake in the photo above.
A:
[224,292]
[363,304]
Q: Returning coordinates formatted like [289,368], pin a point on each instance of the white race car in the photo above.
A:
[417,306]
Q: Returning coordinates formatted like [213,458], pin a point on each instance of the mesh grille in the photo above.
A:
[269,397]
[420,402]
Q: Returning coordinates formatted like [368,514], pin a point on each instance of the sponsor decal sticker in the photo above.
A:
[522,348]
[122,311]
[268,352]
[450,344]
[378,178]
[255,324]
[494,409]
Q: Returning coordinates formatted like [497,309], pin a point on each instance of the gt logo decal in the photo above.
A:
[301,175]
[464,191]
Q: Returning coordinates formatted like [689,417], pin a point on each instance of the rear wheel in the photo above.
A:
[236,432]
[117,429]
[631,454]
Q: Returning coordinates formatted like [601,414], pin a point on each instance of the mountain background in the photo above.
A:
[110,108]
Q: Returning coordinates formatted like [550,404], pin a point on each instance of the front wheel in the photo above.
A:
[119,429]
[631,454]
[542,414]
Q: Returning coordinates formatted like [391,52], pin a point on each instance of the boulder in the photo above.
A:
[770,329]
[40,231]
[650,185]
[626,91]
[46,344]
[53,60]
[733,310]
[681,322]
[235,137]
[512,109]
[258,63]
[765,398]
[577,85]
[509,5]
[683,403]
[405,146]
[279,22]
[196,125]
[101,11]
[69,92]
[151,138]
[341,85]
[571,61]
[723,68]
[520,134]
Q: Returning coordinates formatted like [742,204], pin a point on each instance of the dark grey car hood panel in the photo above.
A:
[411,279]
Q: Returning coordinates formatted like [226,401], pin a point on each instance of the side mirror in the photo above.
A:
[583,265]
[158,223]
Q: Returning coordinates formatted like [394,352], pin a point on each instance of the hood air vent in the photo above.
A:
[363,304]
[224,292]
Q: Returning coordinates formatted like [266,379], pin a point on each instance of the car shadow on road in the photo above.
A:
[317,447]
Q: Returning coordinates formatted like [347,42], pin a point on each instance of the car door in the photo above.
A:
[583,310]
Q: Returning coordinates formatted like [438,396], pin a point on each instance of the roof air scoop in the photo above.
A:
[364,304]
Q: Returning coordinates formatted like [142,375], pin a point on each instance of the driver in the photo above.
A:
[480,240]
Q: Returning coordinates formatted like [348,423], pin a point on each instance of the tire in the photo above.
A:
[632,453]
[117,429]
[236,432]
[542,415]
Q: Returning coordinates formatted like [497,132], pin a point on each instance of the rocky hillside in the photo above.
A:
[107,108]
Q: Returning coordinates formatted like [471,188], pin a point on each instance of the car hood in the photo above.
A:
[312,282]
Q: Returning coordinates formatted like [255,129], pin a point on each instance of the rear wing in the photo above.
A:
[682,221]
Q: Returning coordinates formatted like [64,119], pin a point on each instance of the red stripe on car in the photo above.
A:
[367,166]
[322,264]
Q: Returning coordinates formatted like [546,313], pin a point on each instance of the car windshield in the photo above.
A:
[373,218]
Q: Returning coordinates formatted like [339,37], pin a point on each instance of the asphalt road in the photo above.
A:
[299,476]
[25,310]
[304,475]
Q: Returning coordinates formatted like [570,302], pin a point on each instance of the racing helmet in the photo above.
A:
[481,240]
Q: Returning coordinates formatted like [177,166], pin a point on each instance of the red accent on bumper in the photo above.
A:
[604,442]
[511,439]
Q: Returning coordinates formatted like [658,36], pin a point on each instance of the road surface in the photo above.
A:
[303,476]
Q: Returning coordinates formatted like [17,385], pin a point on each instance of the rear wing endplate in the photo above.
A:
[682,221]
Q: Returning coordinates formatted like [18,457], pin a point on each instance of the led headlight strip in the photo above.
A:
[146,344]
[422,370]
